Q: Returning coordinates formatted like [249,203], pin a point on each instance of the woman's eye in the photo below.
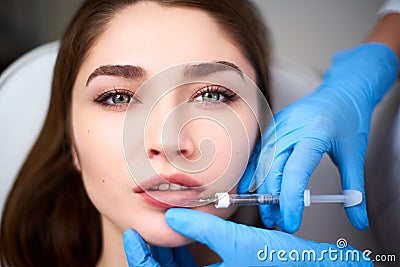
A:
[115,98]
[210,97]
[214,94]
[119,99]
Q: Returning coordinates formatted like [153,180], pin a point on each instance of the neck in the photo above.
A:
[113,250]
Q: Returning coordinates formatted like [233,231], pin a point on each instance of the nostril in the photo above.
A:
[186,146]
[184,153]
[153,152]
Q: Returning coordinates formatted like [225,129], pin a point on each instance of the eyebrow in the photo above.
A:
[136,72]
[124,71]
[207,68]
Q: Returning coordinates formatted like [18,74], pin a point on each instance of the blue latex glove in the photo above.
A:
[139,255]
[334,119]
[241,245]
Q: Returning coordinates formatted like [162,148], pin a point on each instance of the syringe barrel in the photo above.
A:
[225,200]
[253,199]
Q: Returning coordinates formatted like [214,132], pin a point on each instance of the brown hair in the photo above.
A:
[48,219]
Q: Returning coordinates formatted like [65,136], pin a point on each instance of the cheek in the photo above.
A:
[99,146]
[97,138]
[214,143]
[98,141]
[233,145]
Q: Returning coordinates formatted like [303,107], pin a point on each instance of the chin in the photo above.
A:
[156,231]
[172,240]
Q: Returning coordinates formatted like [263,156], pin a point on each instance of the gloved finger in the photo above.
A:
[218,234]
[270,214]
[351,166]
[358,216]
[246,181]
[270,131]
[164,256]
[136,251]
[183,257]
[302,162]
[219,264]
[229,240]
[260,160]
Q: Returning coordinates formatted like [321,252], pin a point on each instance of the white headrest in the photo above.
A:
[290,82]
[24,100]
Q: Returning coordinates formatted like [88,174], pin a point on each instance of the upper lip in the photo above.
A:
[177,178]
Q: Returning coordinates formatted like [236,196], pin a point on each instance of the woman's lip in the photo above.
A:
[177,178]
[170,199]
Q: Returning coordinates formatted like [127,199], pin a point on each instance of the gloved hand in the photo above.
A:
[139,255]
[241,245]
[334,119]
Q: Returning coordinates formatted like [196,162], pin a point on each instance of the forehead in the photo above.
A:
[156,37]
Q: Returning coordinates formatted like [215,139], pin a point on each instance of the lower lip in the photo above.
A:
[170,199]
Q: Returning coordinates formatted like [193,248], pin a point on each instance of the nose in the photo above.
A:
[167,138]
[160,146]
[170,148]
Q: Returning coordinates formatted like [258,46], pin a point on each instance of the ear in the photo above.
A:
[75,159]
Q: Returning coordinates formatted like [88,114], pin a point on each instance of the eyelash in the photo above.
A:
[104,97]
[229,96]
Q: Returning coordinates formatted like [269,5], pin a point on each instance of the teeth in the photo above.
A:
[163,187]
[174,187]
[154,188]
[168,187]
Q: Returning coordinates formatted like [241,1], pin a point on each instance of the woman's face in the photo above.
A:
[141,41]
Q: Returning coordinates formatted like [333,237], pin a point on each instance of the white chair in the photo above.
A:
[24,100]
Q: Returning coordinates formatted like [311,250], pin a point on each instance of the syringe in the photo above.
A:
[348,198]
